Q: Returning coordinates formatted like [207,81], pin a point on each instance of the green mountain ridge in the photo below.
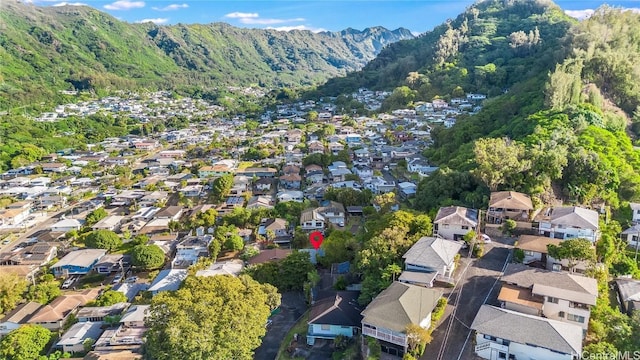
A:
[44,49]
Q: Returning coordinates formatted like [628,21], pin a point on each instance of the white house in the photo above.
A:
[379,185]
[453,222]
[66,225]
[290,195]
[429,258]
[72,341]
[399,305]
[570,222]
[506,334]
[635,210]
[555,295]
[189,250]
[111,222]
[312,219]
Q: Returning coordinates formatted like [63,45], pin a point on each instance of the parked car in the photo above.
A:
[131,279]
[485,238]
[5,242]
[67,283]
[117,279]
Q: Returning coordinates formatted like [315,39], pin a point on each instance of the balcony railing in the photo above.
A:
[386,336]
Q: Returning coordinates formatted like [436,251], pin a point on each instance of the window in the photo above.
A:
[325,327]
[464,227]
[561,314]
[576,318]
[552,300]
[502,355]
[528,253]
[489,337]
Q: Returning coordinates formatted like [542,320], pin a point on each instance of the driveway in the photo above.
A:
[293,306]
[476,286]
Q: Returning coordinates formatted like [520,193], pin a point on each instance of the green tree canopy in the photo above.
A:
[573,250]
[103,239]
[12,287]
[338,247]
[24,343]
[110,297]
[95,216]
[219,317]
[147,257]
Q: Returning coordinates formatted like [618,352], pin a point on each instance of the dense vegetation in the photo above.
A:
[45,49]
[234,309]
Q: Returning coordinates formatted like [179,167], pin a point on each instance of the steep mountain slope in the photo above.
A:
[44,49]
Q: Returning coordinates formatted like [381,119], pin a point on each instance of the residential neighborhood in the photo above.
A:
[139,215]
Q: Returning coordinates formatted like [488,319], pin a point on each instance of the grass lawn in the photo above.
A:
[246,164]
[125,247]
[299,328]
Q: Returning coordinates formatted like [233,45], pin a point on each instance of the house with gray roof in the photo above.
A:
[168,280]
[628,294]
[73,340]
[428,259]
[78,262]
[387,316]
[454,222]
[506,334]
[18,316]
[337,313]
[570,222]
[555,295]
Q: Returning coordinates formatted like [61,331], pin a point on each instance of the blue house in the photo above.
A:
[335,314]
[78,262]
[353,139]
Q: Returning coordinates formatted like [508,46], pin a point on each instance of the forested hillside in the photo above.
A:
[561,114]
[45,49]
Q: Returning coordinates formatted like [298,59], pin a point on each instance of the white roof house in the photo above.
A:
[517,335]
[73,340]
[168,280]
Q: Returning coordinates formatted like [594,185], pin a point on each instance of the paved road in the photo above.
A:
[474,287]
[293,306]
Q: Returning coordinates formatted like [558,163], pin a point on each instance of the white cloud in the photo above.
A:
[124,5]
[255,19]
[171,7]
[241,15]
[580,14]
[69,4]
[259,21]
[158,21]
[586,13]
[297,27]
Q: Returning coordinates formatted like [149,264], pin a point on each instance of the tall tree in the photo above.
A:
[219,317]
[573,250]
[499,159]
[147,257]
[12,287]
[24,343]
[103,239]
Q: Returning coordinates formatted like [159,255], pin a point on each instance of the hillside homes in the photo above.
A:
[570,222]
[399,305]
[454,222]
[555,295]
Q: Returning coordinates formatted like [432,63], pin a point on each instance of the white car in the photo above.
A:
[485,238]
[67,283]
[117,279]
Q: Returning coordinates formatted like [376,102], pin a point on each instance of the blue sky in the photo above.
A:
[332,15]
